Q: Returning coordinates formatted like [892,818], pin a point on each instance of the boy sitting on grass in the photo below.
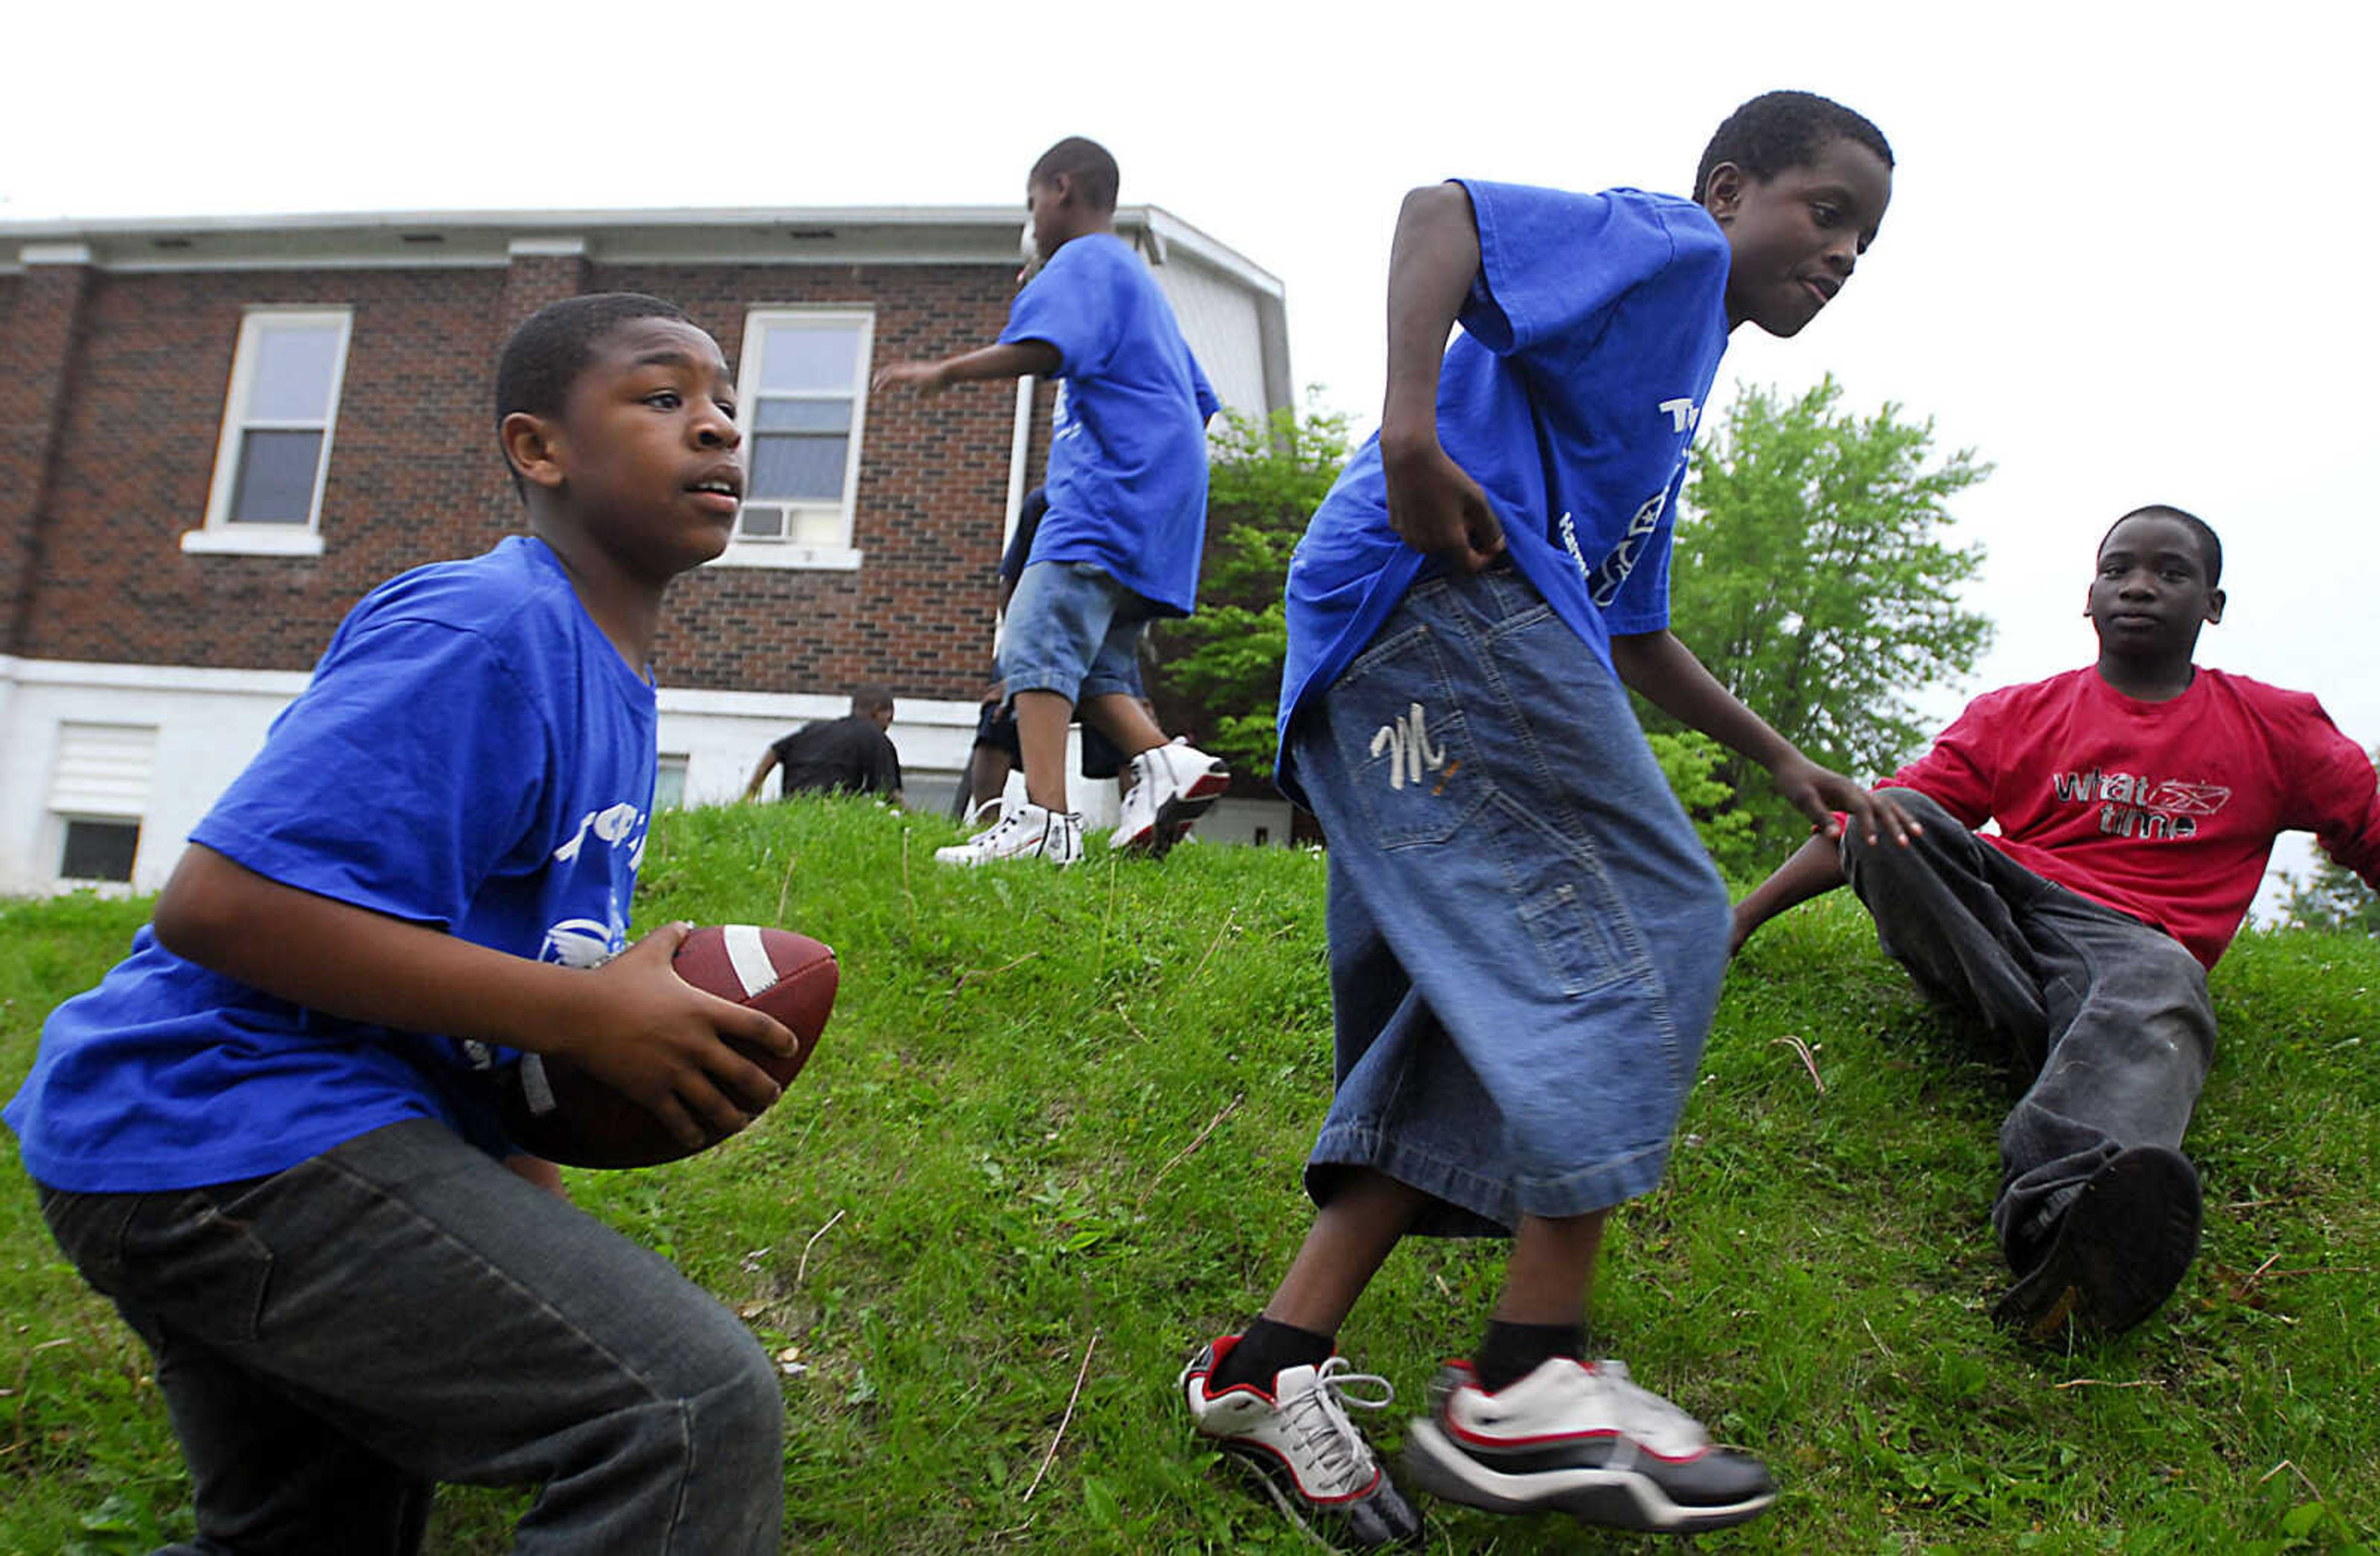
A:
[1527,936]
[2137,802]
[272,1136]
[1127,522]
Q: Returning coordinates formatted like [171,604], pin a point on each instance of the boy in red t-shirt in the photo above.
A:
[2137,803]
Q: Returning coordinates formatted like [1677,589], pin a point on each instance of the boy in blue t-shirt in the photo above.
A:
[1127,514]
[272,1136]
[1526,937]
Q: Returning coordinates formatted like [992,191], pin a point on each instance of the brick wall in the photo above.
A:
[414,474]
[40,335]
[933,491]
[413,471]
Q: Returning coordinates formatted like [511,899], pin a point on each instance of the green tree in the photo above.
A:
[1219,672]
[1812,577]
[2329,896]
[1692,762]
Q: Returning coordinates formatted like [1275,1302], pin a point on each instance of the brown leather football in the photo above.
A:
[554,1108]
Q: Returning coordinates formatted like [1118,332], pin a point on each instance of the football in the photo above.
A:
[580,1122]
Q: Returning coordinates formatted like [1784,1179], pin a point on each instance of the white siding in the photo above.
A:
[102,770]
[1218,316]
[158,744]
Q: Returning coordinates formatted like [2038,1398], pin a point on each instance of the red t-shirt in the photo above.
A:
[2164,810]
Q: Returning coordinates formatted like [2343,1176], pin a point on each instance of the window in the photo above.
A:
[99,850]
[802,402]
[276,433]
[99,790]
[669,782]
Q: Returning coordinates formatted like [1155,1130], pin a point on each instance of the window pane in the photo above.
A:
[99,850]
[291,381]
[669,783]
[795,358]
[806,468]
[760,523]
[276,478]
[804,416]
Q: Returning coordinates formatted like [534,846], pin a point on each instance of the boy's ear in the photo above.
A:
[2214,606]
[1723,191]
[532,448]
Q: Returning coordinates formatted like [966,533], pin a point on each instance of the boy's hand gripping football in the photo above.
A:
[1438,509]
[651,1035]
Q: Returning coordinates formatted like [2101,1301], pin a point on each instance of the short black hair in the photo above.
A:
[2210,544]
[545,354]
[1782,129]
[867,697]
[1084,161]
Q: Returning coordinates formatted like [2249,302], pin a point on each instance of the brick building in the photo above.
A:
[216,434]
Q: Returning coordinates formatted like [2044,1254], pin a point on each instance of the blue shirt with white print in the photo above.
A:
[1128,453]
[473,755]
[1588,345]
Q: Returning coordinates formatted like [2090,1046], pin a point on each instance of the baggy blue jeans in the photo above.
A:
[336,1338]
[2108,1016]
[1527,936]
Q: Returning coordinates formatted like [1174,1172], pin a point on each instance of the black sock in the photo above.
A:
[1510,1352]
[1264,1349]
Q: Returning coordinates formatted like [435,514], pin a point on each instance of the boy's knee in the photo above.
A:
[1922,809]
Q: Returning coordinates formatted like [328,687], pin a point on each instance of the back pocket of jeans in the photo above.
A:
[1405,743]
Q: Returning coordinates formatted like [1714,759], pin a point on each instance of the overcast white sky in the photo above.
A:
[2123,259]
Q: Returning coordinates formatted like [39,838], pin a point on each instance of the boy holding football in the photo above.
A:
[272,1136]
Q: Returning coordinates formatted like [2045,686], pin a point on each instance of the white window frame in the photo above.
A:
[745,551]
[682,763]
[220,533]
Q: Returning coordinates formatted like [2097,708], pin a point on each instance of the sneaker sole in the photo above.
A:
[1324,1525]
[1175,817]
[2123,1247]
[1619,1499]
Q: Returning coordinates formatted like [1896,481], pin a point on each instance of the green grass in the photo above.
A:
[1060,1114]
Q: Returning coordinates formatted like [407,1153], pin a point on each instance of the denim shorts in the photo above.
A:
[1527,935]
[1073,630]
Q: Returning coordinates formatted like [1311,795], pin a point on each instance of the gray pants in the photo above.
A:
[336,1338]
[2108,1016]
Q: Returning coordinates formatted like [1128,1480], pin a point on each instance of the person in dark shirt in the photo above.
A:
[850,755]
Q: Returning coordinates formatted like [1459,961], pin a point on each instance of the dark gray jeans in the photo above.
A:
[336,1338]
[2109,1017]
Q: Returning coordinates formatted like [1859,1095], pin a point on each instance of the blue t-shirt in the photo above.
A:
[472,754]
[1588,345]
[1128,454]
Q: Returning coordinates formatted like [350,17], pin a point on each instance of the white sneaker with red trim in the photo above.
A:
[1172,786]
[1310,1456]
[1580,1437]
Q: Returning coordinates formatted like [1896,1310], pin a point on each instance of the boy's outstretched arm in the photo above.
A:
[1813,869]
[1669,675]
[1434,506]
[633,1023]
[1016,359]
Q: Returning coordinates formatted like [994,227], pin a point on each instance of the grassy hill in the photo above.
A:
[1053,1140]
